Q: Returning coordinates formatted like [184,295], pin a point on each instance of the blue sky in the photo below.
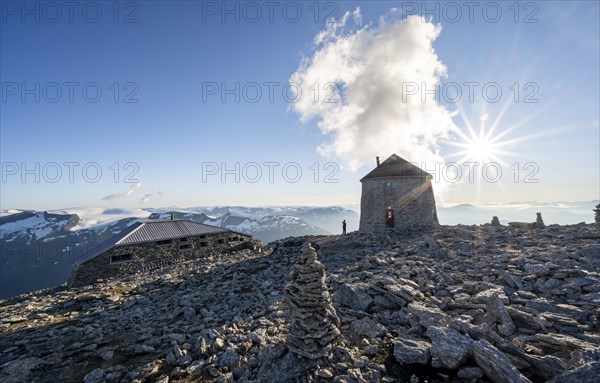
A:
[168,55]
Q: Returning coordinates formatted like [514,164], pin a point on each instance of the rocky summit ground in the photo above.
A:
[458,303]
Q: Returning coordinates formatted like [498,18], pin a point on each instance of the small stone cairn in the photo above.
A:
[495,221]
[315,324]
[539,222]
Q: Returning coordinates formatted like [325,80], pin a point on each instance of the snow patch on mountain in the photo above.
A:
[37,227]
[5,213]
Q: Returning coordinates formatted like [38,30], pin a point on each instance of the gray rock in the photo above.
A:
[485,295]
[495,365]
[587,373]
[281,369]
[545,367]
[430,241]
[229,359]
[449,346]
[194,370]
[325,373]
[106,353]
[582,357]
[189,313]
[354,297]
[538,269]
[367,327]
[470,372]
[497,313]
[562,342]
[143,349]
[361,362]
[145,371]
[409,351]
[18,370]
[96,376]
[427,316]
[171,359]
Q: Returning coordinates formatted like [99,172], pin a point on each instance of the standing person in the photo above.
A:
[344,227]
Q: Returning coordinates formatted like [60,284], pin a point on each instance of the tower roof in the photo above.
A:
[396,166]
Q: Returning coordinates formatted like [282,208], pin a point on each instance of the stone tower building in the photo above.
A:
[397,195]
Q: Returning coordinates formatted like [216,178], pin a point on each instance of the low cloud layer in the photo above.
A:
[149,197]
[119,196]
[370,64]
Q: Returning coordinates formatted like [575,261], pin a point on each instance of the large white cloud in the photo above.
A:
[370,64]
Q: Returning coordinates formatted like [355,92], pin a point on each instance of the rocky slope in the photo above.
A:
[459,304]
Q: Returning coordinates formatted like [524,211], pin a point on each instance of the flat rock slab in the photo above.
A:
[367,327]
[427,316]
[410,351]
[485,295]
[589,373]
[495,365]
[449,346]
[470,373]
[354,296]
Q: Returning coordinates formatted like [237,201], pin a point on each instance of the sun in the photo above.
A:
[481,149]
[483,146]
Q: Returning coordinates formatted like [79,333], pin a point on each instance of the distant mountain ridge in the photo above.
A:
[328,218]
[266,229]
[39,247]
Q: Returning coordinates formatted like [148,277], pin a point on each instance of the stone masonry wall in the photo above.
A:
[148,255]
[411,198]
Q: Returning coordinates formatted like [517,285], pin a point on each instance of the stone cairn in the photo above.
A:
[315,324]
[495,221]
[597,216]
[539,222]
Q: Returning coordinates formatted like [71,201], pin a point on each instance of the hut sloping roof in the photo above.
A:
[152,230]
[161,229]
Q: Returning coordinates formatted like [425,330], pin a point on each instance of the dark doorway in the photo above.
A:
[389,217]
